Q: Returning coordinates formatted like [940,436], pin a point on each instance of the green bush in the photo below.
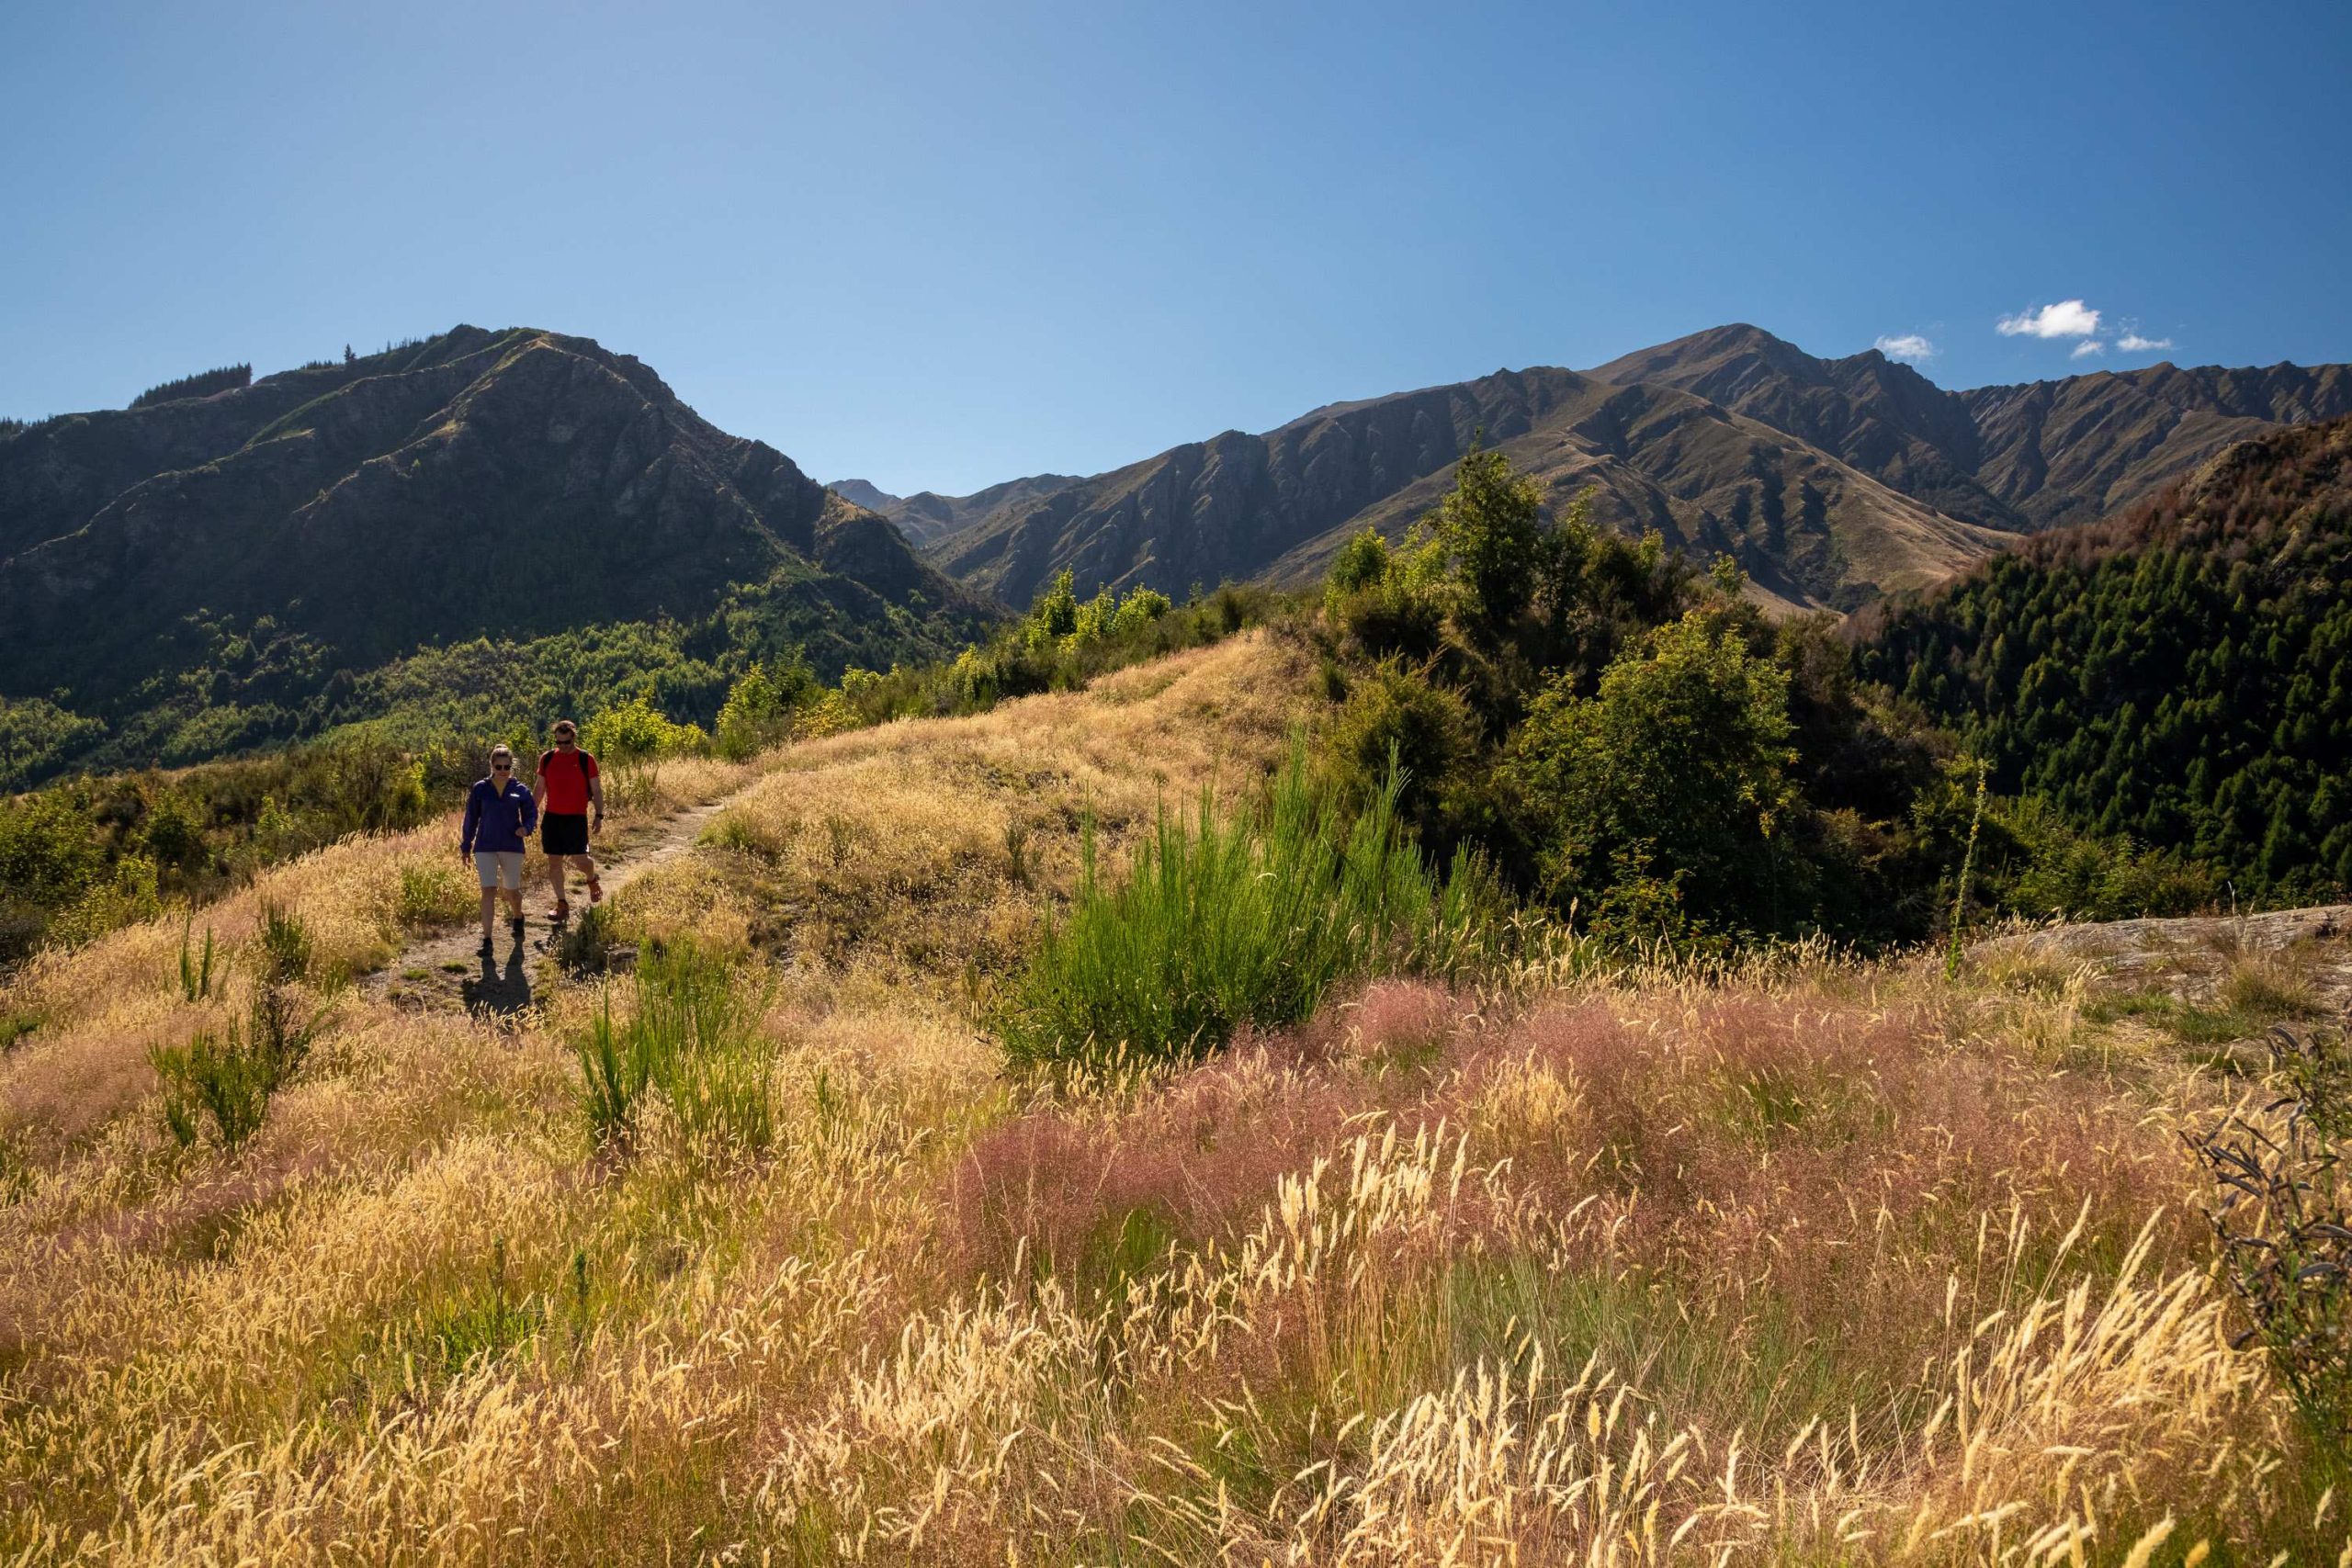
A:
[222,1087]
[759,709]
[1392,602]
[50,857]
[635,738]
[364,785]
[1397,721]
[1490,524]
[1230,921]
[125,898]
[1658,800]
[694,1039]
[1139,609]
[1360,563]
[285,944]
[1061,644]
[2058,871]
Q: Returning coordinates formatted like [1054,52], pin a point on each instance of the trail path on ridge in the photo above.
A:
[446,971]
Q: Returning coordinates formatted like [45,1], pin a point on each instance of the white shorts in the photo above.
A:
[499,868]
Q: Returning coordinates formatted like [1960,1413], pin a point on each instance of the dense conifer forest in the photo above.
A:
[2181,675]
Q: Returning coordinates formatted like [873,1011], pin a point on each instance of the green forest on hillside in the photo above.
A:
[2181,677]
[241,687]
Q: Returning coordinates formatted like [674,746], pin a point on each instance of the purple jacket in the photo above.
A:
[496,822]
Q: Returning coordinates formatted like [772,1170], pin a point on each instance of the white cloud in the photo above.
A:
[2132,343]
[2087,348]
[2068,317]
[1907,346]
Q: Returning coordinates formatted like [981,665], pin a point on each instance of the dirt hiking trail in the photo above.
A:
[446,971]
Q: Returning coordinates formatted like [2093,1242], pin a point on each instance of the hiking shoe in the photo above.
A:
[485,949]
[517,924]
[596,891]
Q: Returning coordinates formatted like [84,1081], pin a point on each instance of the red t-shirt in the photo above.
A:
[565,778]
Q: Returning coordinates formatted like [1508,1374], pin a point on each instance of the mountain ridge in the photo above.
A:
[1832,480]
[511,485]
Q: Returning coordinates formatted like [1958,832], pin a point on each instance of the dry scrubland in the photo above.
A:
[1809,1262]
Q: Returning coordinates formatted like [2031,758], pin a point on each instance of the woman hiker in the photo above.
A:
[568,787]
[499,813]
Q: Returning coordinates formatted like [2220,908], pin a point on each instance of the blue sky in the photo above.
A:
[936,246]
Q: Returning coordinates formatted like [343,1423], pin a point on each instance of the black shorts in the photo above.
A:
[563,832]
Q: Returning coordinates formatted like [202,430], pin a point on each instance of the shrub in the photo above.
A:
[694,1039]
[362,784]
[1657,799]
[285,943]
[1402,607]
[2284,1223]
[2060,871]
[224,1085]
[1397,721]
[125,898]
[1361,562]
[1491,525]
[1052,617]
[1137,610]
[198,977]
[635,738]
[174,840]
[1230,921]
[760,708]
[50,860]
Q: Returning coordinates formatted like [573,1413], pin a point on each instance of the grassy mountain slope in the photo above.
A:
[330,521]
[1579,1260]
[2182,673]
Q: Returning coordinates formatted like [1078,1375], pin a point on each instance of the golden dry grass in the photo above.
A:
[917,857]
[1809,1262]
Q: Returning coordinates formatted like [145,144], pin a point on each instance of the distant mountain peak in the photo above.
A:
[863,492]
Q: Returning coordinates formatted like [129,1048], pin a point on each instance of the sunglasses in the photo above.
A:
[500,767]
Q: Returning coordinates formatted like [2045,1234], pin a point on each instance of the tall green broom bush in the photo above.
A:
[1227,921]
[694,1039]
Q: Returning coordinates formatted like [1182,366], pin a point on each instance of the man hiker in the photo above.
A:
[499,813]
[568,787]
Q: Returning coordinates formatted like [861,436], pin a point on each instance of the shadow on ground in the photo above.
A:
[496,991]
